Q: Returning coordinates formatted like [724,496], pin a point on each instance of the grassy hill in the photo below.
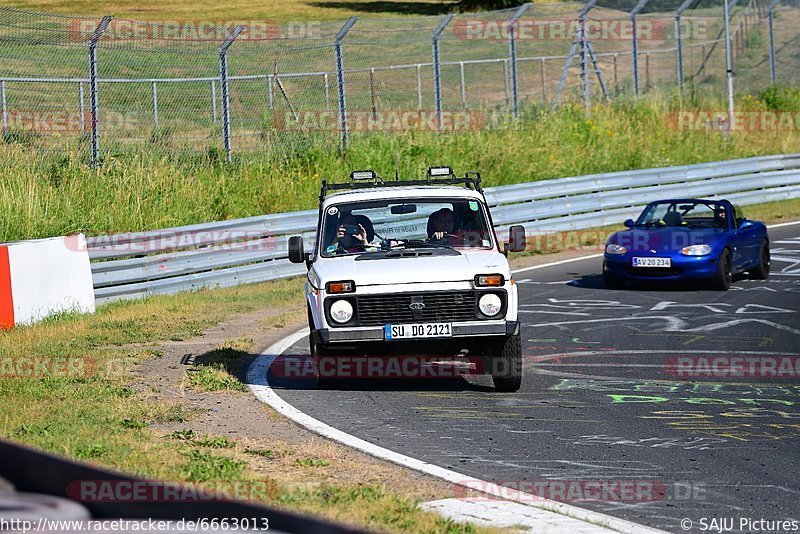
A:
[280,10]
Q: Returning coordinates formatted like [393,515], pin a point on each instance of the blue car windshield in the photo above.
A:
[705,214]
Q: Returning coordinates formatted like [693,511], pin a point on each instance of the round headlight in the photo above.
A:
[490,304]
[341,311]
[613,248]
[696,250]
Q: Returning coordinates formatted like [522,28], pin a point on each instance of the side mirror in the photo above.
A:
[296,252]
[516,239]
[745,224]
[628,223]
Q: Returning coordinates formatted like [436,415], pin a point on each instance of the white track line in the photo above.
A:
[258,384]
[781,225]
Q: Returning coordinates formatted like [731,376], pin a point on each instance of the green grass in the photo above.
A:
[43,194]
[101,419]
[217,370]
[243,9]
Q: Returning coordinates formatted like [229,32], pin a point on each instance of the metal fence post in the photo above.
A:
[372,96]
[679,39]
[225,90]
[437,73]
[327,92]
[337,47]
[635,45]
[728,63]
[93,86]
[512,55]
[155,106]
[773,66]
[4,106]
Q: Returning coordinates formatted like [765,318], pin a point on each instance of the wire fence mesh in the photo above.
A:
[262,86]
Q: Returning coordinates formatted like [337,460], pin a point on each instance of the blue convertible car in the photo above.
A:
[687,239]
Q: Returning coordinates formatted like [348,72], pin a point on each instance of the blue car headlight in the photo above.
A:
[613,248]
[696,250]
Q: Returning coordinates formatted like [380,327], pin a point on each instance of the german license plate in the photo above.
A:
[417,331]
[652,262]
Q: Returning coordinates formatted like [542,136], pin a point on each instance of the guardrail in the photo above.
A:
[254,249]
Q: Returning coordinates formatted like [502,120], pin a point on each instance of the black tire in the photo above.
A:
[507,364]
[318,351]
[722,280]
[761,271]
[612,282]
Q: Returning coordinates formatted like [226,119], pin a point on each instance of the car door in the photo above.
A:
[748,242]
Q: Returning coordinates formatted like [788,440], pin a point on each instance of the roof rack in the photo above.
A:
[435,176]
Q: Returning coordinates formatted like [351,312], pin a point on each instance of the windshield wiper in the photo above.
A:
[420,243]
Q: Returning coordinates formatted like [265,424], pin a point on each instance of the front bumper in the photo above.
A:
[462,330]
[683,267]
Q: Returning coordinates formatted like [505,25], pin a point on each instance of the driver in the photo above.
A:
[444,223]
[721,217]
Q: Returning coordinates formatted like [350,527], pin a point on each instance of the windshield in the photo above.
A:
[704,214]
[373,226]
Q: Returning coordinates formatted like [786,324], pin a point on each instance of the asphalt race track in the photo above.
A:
[605,397]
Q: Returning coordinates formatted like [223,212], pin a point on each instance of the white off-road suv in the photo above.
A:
[411,267]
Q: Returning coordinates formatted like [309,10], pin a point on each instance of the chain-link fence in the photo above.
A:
[256,85]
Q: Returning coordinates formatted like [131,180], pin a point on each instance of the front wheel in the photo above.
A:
[722,280]
[761,271]
[319,352]
[507,365]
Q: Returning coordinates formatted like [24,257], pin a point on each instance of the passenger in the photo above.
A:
[352,234]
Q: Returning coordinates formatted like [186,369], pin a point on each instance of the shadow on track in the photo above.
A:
[595,281]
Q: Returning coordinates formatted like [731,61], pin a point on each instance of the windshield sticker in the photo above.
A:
[485,243]
[330,249]
[333,210]
[473,205]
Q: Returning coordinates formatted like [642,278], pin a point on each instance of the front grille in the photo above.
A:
[444,306]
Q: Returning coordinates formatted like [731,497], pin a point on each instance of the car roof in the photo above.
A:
[398,193]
